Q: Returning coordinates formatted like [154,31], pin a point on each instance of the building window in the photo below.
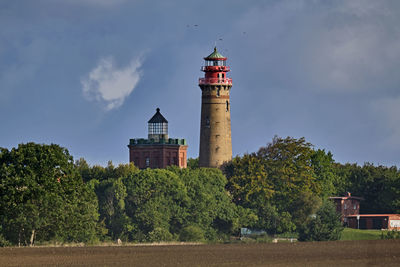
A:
[147,162]
[345,206]
[355,206]
[207,122]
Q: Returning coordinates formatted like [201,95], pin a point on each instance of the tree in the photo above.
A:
[156,198]
[324,169]
[278,183]
[42,196]
[378,185]
[325,226]
[209,206]
[193,163]
[111,193]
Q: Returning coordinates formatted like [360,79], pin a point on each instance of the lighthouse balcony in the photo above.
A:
[215,81]
[215,68]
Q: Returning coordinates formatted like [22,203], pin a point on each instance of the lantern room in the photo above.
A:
[158,127]
[215,69]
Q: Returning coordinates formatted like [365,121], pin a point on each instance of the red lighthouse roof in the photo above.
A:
[215,55]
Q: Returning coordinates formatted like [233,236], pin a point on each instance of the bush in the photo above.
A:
[191,233]
[160,234]
[325,226]
[391,235]
[4,242]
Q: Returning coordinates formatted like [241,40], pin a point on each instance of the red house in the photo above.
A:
[374,221]
[349,207]
[158,150]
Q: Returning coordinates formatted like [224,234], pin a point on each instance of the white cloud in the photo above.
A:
[110,85]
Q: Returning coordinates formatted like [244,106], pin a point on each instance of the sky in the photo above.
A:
[89,74]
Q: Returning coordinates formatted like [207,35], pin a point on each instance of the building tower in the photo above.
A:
[215,124]
[158,150]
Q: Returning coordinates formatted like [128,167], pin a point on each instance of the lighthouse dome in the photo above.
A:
[215,55]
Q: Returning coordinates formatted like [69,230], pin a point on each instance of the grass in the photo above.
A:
[356,234]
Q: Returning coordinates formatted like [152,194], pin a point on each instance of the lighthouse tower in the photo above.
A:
[215,125]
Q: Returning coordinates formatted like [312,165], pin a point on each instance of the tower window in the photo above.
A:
[218,92]
[227,105]
[207,122]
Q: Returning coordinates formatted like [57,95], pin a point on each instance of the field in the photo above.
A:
[357,253]
[356,234]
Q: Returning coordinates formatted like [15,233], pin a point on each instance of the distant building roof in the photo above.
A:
[372,215]
[348,196]
[158,118]
[215,55]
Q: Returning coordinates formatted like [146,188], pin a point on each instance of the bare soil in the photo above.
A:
[356,253]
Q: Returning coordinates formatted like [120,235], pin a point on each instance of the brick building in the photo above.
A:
[347,205]
[349,208]
[374,221]
[158,150]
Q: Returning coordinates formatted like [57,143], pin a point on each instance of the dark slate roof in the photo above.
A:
[158,118]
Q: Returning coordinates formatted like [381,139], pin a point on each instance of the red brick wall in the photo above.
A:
[347,206]
[158,156]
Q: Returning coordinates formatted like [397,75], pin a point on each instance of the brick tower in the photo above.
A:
[158,150]
[215,125]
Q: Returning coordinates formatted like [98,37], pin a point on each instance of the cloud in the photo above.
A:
[324,46]
[110,85]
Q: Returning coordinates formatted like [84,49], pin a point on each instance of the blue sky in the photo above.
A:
[89,74]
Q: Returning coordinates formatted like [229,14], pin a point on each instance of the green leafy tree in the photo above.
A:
[278,183]
[209,205]
[193,163]
[324,226]
[155,199]
[42,196]
[378,185]
[326,176]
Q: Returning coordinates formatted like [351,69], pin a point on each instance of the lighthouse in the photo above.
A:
[215,124]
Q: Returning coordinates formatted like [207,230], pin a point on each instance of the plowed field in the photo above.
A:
[353,253]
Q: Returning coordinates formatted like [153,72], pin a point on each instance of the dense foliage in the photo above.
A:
[42,196]
[324,226]
[47,197]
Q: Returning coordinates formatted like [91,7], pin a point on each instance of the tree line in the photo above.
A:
[46,196]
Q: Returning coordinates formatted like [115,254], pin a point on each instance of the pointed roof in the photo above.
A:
[215,55]
[158,118]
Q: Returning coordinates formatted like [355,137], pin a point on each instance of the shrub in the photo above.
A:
[391,235]
[325,226]
[160,234]
[4,242]
[191,233]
